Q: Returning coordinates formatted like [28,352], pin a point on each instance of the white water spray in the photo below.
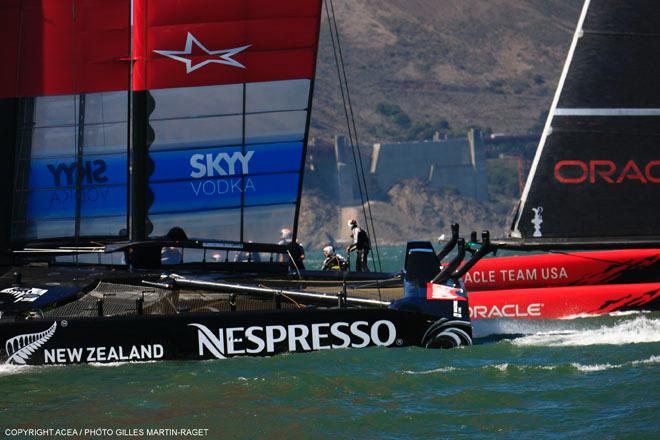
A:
[635,331]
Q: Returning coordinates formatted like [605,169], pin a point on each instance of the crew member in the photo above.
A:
[360,244]
[296,250]
[333,261]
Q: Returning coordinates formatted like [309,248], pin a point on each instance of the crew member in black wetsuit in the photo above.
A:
[361,244]
[296,249]
[332,260]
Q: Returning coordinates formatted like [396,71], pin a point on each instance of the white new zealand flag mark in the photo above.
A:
[20,348]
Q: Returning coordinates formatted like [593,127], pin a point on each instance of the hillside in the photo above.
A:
[469,62]
[416,66]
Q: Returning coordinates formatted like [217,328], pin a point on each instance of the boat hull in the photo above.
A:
[202,336]
[563,302]
[565,269]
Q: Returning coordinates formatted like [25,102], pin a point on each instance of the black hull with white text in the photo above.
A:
[61,315]
[203,336]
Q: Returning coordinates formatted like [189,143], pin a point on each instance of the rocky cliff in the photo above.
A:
[417,66]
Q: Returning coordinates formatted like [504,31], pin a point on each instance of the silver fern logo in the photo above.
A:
[20,348]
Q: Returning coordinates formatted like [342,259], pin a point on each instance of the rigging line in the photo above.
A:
[343,98]
[357,142]
[294,263]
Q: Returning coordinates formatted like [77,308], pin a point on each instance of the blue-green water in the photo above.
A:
[391,258]
[585,378]
[581,378]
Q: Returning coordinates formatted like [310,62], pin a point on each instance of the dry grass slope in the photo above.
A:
[471,62]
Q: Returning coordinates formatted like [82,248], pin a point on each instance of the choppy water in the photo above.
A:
[584,378]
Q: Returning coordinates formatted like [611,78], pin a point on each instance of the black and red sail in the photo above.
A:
[594,183]
[596,174]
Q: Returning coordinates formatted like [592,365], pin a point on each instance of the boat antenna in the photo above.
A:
[352,128]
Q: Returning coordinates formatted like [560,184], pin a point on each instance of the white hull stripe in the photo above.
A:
[607,112]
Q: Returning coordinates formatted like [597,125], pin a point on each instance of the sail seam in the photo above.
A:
[547,129]
[621,34]
[607,112]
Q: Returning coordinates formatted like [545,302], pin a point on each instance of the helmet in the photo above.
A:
[352,223]
[286,234]
[328,251]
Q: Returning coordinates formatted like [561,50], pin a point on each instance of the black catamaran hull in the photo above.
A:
[49,317]
[202,336]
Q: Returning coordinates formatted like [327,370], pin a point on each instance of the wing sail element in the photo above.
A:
[596,175]
[147,115]
[66,79]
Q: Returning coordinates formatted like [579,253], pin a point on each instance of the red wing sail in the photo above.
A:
[204,42]
[228,88]
[221,94]
[67,75]
[60,47]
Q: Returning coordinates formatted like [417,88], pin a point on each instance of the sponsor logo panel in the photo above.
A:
[590,172]
[532,310]
[20,349]
[53,182]
[224,177]
[522,276]
[214,342]
[222,343]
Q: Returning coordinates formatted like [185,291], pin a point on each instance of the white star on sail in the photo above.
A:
[224,55]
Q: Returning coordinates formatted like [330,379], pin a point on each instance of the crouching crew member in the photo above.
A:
[360,244]
[332,260]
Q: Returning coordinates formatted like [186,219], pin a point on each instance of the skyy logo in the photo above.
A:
[91,175]
[218,165]
[221,164]
[66,174]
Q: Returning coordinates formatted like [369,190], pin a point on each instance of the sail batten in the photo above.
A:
[607,112]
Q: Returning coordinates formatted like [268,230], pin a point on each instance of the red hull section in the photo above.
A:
[566,269]
[563,302]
